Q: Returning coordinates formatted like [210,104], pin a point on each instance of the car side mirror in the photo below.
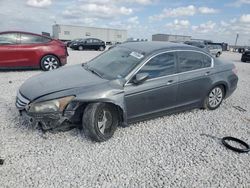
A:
[139,78]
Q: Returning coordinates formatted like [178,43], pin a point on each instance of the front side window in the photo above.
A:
[8,38]
[188,61]
[88,41]
[161,65]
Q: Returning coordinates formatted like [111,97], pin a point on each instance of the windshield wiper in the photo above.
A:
[95,72]
[86,67]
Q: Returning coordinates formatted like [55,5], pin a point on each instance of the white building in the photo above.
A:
[70,32]
[170,38]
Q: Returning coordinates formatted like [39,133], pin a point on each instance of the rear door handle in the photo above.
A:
[170,82]
[207,73]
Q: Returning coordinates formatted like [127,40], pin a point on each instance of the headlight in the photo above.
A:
[51,106]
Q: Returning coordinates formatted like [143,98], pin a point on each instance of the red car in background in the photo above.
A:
[29,50]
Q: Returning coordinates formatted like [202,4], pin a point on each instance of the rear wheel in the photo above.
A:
[218,54]
[214,98]
[101,48]
[49,62]
[100,121]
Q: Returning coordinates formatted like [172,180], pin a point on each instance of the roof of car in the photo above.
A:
[153,46]
[24,32]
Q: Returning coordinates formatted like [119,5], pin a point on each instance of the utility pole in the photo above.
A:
[237,36]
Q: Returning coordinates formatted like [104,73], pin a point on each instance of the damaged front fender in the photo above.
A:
[109,93]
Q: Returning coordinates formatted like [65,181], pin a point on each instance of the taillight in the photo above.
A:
[66,50]
[235,70]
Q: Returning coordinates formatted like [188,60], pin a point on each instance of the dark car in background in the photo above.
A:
[245,56]
[68,43]
[88,44]
[28,50]
[129,83]
[241,50]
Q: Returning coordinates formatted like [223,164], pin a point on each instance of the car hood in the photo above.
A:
[62,79]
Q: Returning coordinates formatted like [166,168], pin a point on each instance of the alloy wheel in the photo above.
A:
[80,48]
[101,48]
[104,121]
[50,63]
[215,97]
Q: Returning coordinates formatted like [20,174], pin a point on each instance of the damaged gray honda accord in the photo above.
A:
[129,83]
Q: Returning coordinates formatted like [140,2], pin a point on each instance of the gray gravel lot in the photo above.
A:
[164,152]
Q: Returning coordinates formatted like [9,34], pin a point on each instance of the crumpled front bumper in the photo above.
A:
[48,121]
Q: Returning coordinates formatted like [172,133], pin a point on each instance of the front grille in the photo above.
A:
[21,101]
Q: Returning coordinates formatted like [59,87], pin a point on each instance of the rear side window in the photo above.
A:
[96,41]
[8,38]
[189,61]
[207,61]
[33,39]
[161,65]
[45,39]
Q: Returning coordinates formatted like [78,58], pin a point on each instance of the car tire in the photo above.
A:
[218,54]
[101,48]
[49,62]
[99,121]
[214,98]
[80,48]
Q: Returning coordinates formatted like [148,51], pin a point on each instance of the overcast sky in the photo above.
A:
[218,20]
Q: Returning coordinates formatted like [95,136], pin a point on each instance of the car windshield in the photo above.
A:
[115,63]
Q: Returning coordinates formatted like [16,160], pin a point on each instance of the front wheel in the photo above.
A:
[80,48]
[214,98]
[49,62]
[100,121]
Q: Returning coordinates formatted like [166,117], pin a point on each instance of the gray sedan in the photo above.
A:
[129,83]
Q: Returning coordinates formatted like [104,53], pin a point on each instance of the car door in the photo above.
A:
[89,44]
[195,70]
[28,49]
[8,48]
[96,44]
[158,92]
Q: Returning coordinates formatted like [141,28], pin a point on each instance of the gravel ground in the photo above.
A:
[165,152]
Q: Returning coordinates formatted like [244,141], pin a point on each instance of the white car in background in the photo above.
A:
[215,50]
